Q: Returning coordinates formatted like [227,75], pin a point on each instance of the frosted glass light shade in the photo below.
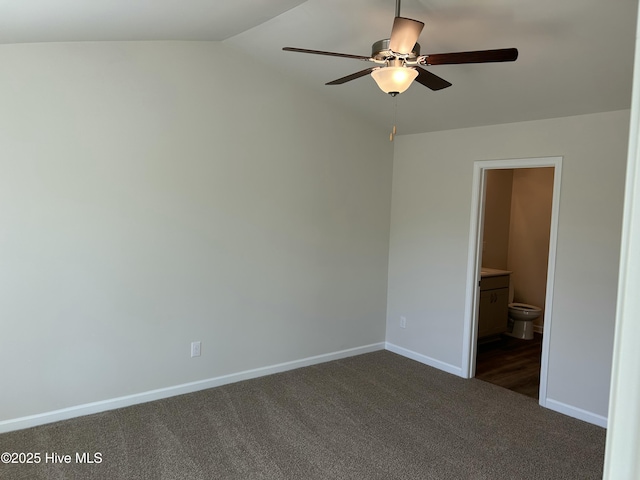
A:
[394,79]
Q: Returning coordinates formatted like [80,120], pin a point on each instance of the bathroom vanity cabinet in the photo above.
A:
[494,302]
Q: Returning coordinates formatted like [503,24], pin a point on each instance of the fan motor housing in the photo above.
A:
[380,51]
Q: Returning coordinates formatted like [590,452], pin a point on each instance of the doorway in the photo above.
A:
[476,248]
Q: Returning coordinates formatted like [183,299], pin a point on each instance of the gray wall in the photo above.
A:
[149,198]
[431,203]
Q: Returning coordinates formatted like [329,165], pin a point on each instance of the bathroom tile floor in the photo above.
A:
[511,363]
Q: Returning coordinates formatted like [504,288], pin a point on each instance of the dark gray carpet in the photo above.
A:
[374,416]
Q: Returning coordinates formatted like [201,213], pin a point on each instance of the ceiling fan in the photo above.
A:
[399,61]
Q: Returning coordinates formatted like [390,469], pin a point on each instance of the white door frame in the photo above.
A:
[475,259]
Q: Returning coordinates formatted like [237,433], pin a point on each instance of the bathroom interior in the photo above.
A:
[515,252]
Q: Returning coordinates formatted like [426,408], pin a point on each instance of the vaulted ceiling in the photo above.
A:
[576,56]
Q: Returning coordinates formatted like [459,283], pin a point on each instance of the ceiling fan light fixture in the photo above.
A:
[394,80]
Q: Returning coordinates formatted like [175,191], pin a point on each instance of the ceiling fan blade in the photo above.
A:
[330,54]
[479,56]
[404,34]
[353,76]
[430,80]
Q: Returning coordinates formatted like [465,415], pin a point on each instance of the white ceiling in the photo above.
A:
[576,56]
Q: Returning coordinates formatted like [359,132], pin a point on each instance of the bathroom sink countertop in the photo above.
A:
[493,272]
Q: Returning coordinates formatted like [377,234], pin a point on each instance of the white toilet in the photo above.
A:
[521,315]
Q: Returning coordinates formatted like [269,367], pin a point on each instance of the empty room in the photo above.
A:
[246,239]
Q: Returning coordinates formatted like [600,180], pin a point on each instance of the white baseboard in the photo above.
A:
[576,412]
[551,404]
[143,397]
[418,357]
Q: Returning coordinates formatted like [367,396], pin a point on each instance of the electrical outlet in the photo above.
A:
[195,349]
[403,322]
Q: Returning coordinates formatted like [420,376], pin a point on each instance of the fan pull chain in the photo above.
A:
[395,120]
